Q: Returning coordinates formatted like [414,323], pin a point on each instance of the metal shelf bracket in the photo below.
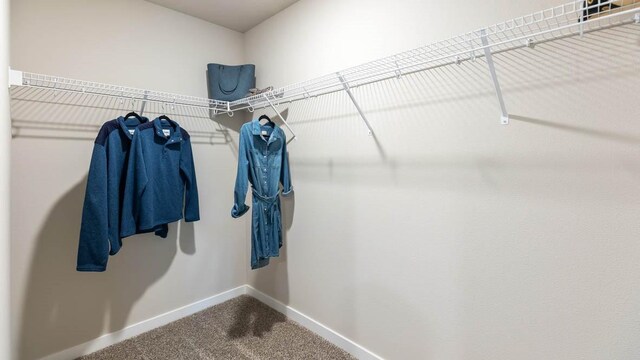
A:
[144,101]
[504,118]
[355,102]
[281,118]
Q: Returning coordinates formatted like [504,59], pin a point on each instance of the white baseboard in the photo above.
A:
[173,315]
[330,335]
[144,326]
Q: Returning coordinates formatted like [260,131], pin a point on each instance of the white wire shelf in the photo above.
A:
[556,23]
[57,83]
[543,26]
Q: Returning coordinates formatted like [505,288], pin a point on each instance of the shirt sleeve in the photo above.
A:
[136,182]
[242,179]
[285,174]
[94,245]
[188,173]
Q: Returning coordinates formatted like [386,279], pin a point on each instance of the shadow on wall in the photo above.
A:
[233,123]
[424,100]
[236,121]
[596,133]
[274,278]
[187,238]
[63,307]
[442,131]
[54,114]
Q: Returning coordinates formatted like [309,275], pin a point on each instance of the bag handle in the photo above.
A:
[225,84]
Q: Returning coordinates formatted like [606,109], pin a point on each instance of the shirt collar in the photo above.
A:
[256,128]
[176,135]
[123,125]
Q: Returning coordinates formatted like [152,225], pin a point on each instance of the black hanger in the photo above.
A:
[164,117]
[265,117]
[135,115]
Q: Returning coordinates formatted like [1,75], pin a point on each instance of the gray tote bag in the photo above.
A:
[229,83]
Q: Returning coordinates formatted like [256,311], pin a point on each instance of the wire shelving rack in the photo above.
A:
[575,18]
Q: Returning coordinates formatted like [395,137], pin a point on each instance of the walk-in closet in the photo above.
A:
[319,179]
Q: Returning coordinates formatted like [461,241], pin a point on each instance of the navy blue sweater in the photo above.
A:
[100,228]
[161,178]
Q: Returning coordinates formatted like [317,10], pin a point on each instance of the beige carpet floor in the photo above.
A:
[241,328]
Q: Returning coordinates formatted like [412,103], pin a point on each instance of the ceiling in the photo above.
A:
[239,15]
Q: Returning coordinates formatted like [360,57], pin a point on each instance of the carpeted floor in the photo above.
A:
[241,328]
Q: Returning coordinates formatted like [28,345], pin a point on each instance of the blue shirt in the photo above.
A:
[161,178]
[262,161]
[100,227]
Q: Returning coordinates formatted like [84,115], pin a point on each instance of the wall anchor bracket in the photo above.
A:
[531,43]
[15,78]
[504,118]
[355,102]
[398,71]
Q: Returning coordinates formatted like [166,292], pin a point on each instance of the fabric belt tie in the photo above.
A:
[269,205]
[268,202]
[267,199]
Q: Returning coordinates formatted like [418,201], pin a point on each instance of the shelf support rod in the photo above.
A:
[144,101]
[504,118]
[281,118]
[353,99]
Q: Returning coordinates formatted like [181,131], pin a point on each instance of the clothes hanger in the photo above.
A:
[164,117]
[265,117]
[135,115]
[265,133]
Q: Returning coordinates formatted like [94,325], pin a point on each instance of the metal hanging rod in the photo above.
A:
[526,31]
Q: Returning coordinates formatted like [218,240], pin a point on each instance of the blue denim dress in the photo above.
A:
[262,161]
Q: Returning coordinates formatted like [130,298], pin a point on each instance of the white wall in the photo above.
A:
[468,240]
[5,147]
[453,238]
[134,43]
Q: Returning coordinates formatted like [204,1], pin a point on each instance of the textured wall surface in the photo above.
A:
[448,236]
[454,237]
[133,43]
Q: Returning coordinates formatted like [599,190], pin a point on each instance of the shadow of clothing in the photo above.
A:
[253,319]
[274,278]
[288,207]
[63,307]
[187,238]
